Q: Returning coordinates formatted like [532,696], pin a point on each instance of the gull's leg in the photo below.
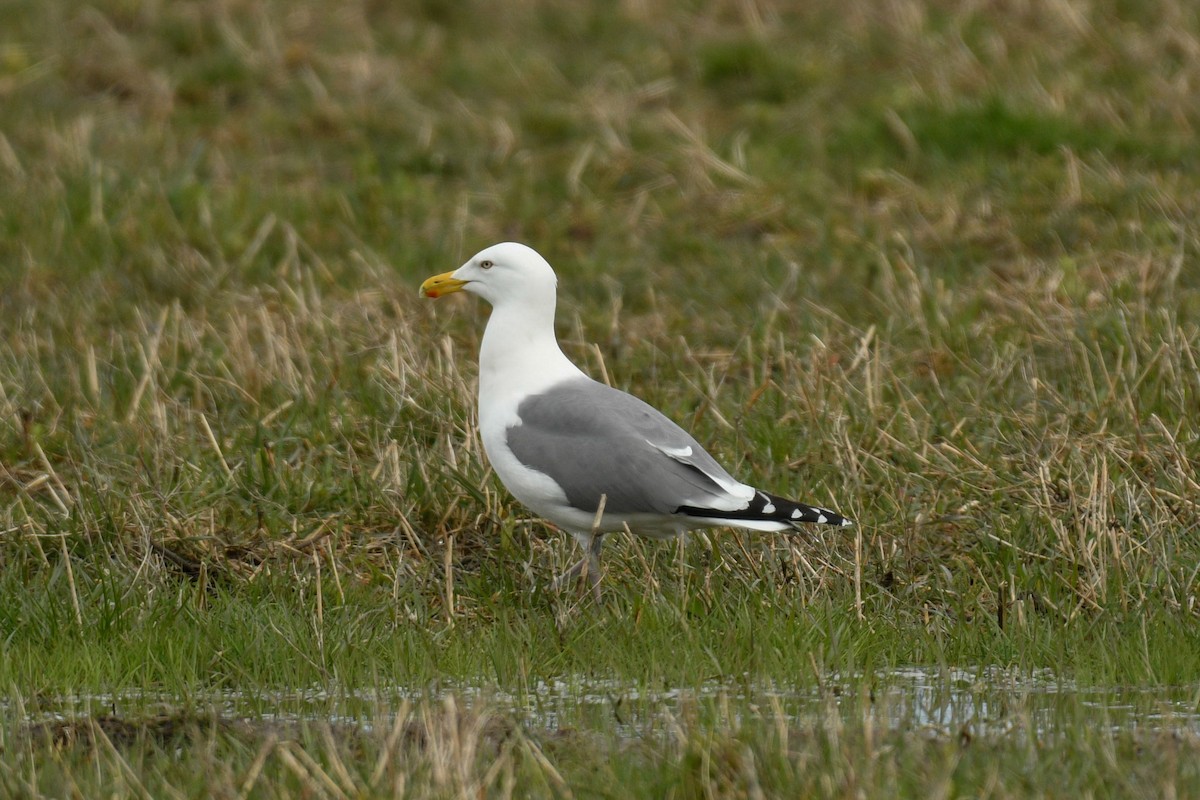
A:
[590,562]
[571,573]
[593,559]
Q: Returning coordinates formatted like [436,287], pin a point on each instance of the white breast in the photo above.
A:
[512,366]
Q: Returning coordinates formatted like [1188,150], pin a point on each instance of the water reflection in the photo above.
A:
[986,701]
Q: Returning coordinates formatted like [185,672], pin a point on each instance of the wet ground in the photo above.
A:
[968,703]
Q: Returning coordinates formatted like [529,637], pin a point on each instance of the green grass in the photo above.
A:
[934,267]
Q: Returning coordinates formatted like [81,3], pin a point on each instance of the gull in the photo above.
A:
[587,457]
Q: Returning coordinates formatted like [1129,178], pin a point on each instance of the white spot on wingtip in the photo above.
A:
[796,514]
[846,523]
[768,509]
[822,518]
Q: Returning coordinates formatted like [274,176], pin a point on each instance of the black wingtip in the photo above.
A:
[765,506]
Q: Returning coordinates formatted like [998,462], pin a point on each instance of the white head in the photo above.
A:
[503,274]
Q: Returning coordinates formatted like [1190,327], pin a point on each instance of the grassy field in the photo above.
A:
[935,265]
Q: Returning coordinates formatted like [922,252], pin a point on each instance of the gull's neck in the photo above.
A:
[519,353]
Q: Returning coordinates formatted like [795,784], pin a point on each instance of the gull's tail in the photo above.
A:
[768,511]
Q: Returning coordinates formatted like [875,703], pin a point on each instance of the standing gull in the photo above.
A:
[568,447]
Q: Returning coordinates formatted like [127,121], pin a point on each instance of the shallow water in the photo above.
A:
[984,701]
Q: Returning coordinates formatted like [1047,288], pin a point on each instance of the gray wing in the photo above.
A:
[594,440]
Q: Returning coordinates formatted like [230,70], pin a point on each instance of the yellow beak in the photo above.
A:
[442,284]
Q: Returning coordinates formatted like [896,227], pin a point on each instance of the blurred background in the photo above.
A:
[161,151]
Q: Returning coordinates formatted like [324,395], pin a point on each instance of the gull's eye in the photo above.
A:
[486,264]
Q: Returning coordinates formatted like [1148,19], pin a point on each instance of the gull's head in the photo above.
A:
[503,273]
